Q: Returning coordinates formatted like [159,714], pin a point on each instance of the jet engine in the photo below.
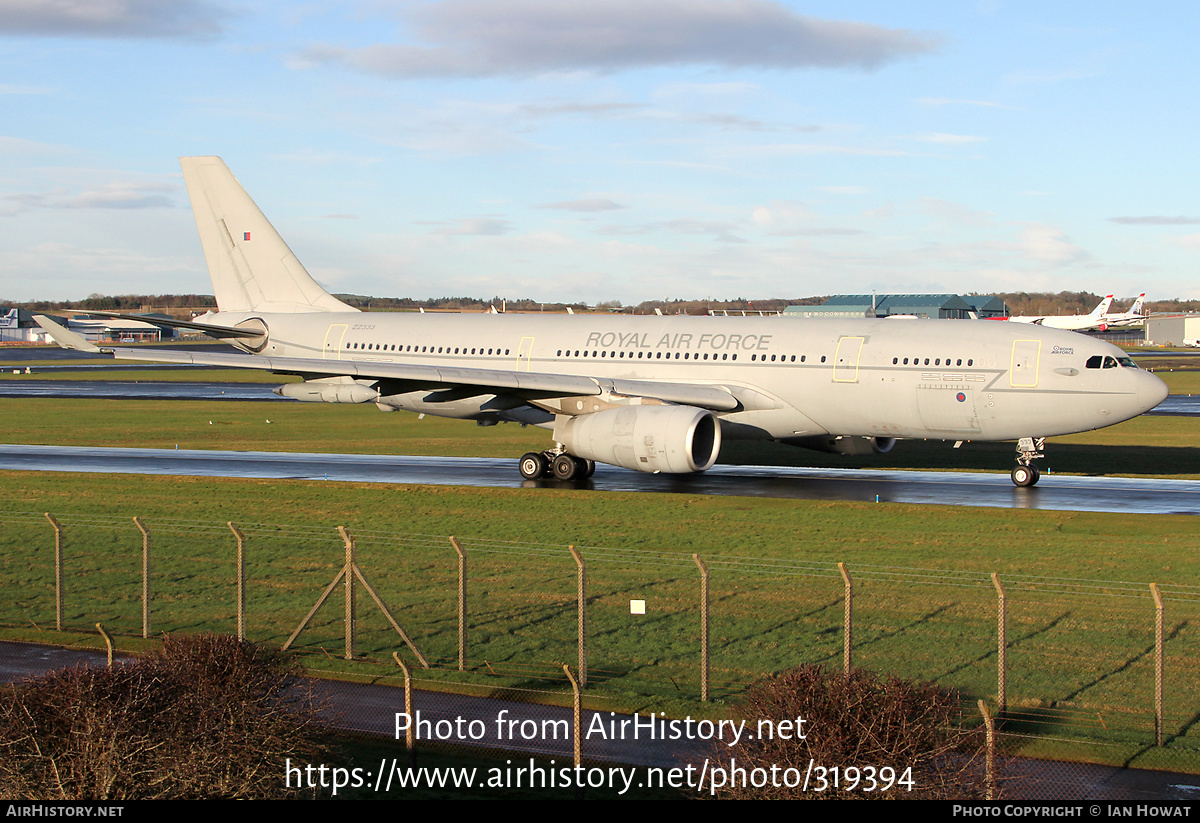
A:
[673,439]
[845,444]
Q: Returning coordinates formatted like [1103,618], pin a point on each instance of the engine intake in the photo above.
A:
[672,439]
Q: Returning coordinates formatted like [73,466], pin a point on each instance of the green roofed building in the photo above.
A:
[938,306]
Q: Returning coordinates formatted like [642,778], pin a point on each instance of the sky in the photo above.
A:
[596,150]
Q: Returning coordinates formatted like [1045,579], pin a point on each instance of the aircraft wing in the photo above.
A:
[521,383]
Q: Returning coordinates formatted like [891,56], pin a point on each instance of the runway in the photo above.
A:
[1055,492]
[142,390]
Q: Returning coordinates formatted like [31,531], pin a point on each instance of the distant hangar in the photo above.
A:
[924,306]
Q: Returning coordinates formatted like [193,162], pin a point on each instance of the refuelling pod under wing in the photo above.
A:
[328,391]
[672,439]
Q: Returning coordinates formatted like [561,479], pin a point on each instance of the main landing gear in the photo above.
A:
[1025,474]
[559,465]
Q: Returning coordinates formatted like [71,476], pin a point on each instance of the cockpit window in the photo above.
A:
[1098,361]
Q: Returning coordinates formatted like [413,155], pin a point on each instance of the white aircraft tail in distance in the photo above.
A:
[649,393]
[1135,316]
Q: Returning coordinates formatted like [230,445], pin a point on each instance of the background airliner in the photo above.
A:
[1134,317]
[650,393]
[1098,319]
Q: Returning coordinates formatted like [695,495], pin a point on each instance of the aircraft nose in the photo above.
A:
[1151,391]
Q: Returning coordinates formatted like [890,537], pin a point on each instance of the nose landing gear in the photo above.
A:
[1025,474]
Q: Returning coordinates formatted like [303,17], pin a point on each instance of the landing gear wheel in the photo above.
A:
[566,467]
[589,467]
[1024,476]
[533,466]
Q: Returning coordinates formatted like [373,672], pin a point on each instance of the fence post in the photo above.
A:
[349,589]
[577,725]
[241,580]
[1002,645]
[582,609]
[989,728]
[145,577]
[848,629]
[1158,664]
[410,734]
[703,627]
[108,642]
[462,603]
[58,572]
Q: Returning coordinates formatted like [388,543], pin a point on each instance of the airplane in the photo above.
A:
[1133,317]
[1098,319]
[649,393]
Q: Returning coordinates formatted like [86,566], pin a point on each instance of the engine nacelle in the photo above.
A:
[845,445]
[672,439]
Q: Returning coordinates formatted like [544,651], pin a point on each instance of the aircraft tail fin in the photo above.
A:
[1139,305]
[252,269]
[1103,308]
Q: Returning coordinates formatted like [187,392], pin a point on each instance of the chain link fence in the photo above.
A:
[1071,669]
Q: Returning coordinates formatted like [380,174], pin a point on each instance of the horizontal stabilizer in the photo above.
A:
[63,336]
[220,332]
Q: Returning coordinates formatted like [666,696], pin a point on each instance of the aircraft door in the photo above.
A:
[332,350]
[524,353]
[845,364]
[1023,369]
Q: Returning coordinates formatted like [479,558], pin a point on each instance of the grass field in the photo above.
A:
[1081,618]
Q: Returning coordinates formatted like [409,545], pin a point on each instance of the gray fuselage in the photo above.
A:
[793,378]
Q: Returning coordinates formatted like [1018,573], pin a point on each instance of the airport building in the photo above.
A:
[18,326]
[15,326]
[1173,330]
[938,306]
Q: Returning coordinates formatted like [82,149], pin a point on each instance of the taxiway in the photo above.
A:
[1056,492]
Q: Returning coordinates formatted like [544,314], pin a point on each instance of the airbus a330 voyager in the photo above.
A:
[650,393]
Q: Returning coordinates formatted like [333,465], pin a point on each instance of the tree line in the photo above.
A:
[181,305]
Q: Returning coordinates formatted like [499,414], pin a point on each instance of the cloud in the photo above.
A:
[111,18]
[1155,220]
[720,231]
[953,213]
[112,196]
[589,109]
[593,204]
[802,149]
[940,137]
[476,227]
[482,38]
[947,101]
[1051,246]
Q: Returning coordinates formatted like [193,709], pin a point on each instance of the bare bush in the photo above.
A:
[865,736]
[204,717]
